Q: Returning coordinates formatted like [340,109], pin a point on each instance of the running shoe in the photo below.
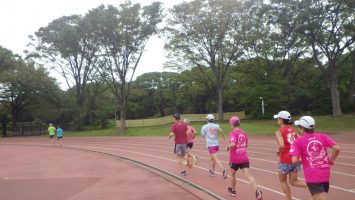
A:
[211,173]
[259,194]
[183,173]
[232,192]
[224,173]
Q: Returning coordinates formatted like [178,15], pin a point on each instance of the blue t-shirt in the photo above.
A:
[210,132]
[59,132]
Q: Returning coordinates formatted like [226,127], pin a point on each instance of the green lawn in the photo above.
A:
[323,123]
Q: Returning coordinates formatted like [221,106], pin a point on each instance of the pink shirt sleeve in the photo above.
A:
[172,128]
[329,141]
[295,149]
[232,138]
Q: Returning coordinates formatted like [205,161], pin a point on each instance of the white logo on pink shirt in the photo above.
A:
[241,143]
[317,156]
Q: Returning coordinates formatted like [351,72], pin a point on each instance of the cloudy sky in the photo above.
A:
[20,18]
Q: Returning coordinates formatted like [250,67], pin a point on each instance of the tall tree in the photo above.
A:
[66,46]
[325,25]
[22,86]
[205,33]
[122,35]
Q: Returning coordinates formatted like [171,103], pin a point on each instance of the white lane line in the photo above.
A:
[154,156]
[272,172]
[265,160]
[242,180]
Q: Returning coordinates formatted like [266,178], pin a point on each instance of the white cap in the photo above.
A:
[306,122]
[186,120]
[283,115]
[210,117]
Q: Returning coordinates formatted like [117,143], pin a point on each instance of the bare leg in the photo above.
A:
[216,161]
[319,196]
[250,178]
[294,181]
[284,185]
[233,180]
[179,159]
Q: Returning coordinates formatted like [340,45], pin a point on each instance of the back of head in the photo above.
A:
[284,116]
[187,121]
[307,123]
[210,118]
[176,116]
[234,121]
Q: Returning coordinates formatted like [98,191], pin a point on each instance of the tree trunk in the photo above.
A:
[220,102]
[351,91]
[123,106]
[334,90]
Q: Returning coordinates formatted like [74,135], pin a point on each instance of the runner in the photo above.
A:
[51,132]
[179,130]
[191,134]
[59,135]
[286,135]
[210,132]
[238,157]
[312,148]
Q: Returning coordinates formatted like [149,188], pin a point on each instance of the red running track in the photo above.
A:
[158,152]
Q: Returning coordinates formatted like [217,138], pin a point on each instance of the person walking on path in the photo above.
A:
[191,134]
[59,135]
[312,149]
[210,132]
[51,132]
[238,157]
[179,130]
[286,135]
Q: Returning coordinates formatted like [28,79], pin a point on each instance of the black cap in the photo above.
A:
[176,116]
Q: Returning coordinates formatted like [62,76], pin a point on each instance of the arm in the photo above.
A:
[295,159]
[335,153]
[171,134]
[231,145]
[280,142]
[222,133]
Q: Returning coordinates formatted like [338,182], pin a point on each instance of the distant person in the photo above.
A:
[51,132]
[59,135]
[210,132]
[285,136]
[191,134]
[238,157]
[179,130]
[312,148]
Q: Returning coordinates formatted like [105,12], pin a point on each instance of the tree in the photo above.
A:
[23,86]
[122,36]
[205,33]
[66,45]
[325,25]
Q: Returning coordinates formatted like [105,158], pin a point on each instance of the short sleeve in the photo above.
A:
[232,138]
[203,132]
[172,128]
[295,149]
[329,141]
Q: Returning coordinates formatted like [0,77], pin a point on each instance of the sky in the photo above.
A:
[20,18]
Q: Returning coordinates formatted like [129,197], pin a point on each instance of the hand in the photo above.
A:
[277,152]
[331,162]
[227,148]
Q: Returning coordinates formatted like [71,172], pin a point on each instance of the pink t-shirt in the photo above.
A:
[312,148]
[238,154]
[190,137]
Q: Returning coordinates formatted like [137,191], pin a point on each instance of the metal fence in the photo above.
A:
[26,129]
[169,119]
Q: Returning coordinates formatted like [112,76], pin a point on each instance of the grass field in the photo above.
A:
[323,123]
